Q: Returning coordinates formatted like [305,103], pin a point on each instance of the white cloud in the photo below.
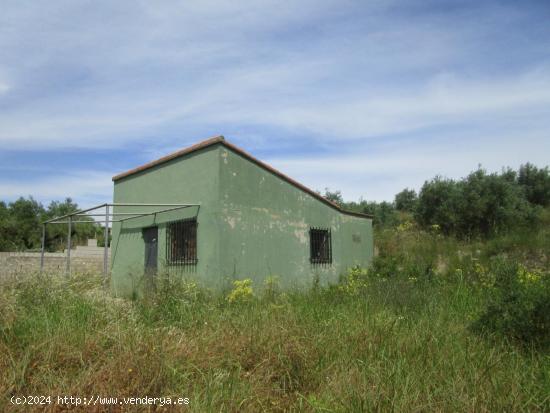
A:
[109,75]
[439,103]
[258,97]
[87,188]
[343,74]
[379,176]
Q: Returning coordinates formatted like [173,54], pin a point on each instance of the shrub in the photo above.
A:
[386,265]
[481,204]
[354,281]
[535,183]
[272,287]
[405,226]
[518,305]
[172,301]
[406,200]
[242,291]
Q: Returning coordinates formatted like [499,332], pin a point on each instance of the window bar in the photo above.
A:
[181,241]
[176,242]
[180,235]
[168,246]
[311,248]
[317,247]
[171,242]
[322,256]
[313,238]
[320,246]
[330,246]
[185,243]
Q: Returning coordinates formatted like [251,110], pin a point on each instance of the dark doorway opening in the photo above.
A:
[150,237]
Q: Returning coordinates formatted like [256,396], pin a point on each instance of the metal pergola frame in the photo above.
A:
[108,217]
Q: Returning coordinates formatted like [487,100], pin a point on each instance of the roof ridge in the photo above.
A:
[202,144]
[221,139]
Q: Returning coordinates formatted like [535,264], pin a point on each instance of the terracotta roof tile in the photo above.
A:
[221,140]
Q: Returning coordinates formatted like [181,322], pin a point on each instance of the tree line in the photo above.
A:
[480,205]
[21,225]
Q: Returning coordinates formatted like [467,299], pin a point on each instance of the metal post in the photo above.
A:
[68,271]
[74,213]
[42,248]
[106,243]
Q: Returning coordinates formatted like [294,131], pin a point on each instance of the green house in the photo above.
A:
[231,217]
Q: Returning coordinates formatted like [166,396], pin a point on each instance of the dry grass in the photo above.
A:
[396,346]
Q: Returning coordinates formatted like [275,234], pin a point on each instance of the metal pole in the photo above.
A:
[159,212]
[95,221]
[106,243]
[42,248]
[68,271]
[83,211]
[150,205]
[112,213]
[75,213]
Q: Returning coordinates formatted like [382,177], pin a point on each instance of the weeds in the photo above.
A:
[242,292]
[395,337]
[518,305]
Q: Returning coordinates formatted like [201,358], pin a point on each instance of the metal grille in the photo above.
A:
[181,242]
[320,246]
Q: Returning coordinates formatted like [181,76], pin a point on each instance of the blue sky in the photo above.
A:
[364,97]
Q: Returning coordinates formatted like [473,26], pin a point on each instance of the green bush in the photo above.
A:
[536,183]
[354,282]
[481,204]
[386,265]
[518,305]
[406,200]
[173,301]
[242,291]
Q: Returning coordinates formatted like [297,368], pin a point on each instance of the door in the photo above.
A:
[150,237]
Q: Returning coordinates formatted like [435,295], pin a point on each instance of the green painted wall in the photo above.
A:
[251,224]
[192,179]
[265,226]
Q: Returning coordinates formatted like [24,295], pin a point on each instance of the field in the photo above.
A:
[420,331]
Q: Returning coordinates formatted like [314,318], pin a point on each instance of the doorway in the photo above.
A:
[150,237]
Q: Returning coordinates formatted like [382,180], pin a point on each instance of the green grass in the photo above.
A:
[398,343]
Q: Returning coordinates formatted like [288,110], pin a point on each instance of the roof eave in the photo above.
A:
[174,155]
[219,139]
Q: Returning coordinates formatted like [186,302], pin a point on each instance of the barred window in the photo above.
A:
[181,242]
[320,246]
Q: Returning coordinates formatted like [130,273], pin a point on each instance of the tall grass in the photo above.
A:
[396,338]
